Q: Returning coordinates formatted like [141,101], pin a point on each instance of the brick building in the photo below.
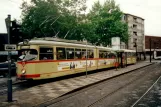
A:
[155,44]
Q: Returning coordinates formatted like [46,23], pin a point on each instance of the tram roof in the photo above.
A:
[62,42]
[128,50]
[44,42]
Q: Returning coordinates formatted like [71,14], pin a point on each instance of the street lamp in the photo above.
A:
[9,81]
[86,55]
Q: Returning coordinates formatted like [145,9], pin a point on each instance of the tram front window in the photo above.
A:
[27,54]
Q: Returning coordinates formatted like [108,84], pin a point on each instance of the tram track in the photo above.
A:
[149,89]
[116,90]
[134,77]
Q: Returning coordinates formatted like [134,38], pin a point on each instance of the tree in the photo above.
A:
[50,17]
[107,21]
[68,19]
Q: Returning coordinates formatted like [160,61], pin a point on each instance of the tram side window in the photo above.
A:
[46,53]
[111,55]
[103,54]
[128,54]
[84,53]
[70,53]
[78,54]
[90,54]
[133,54]
[61,53]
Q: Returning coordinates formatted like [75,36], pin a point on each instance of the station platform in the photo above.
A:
[43,93]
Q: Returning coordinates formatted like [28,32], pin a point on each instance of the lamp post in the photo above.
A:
[86,56]
[9,81]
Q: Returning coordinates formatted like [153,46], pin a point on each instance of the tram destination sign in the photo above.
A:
[10,47]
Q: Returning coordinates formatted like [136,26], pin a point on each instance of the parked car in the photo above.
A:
[4,68]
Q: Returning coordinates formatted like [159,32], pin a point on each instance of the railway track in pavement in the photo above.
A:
[102,89]
[142,98]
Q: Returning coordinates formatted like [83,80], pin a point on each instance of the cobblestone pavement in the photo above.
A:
[45,92]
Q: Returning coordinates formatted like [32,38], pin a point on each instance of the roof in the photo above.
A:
[45,42]
[134,15]
[153,36]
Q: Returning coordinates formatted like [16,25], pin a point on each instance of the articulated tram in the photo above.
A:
[44,58]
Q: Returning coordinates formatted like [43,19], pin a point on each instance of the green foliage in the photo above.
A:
[107,21]
[67,18]
[50,17]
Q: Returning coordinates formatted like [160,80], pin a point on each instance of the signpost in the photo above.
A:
[9,48]
[116,46]
[115,43]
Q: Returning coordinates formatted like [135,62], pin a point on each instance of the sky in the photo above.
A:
[147,9]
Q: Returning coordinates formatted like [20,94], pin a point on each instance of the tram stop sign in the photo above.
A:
[10,47]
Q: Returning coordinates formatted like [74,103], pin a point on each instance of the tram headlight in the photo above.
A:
[23,71]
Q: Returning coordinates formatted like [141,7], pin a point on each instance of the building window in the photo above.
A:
[135,19]
[135,33]
[134,26]
[124,18]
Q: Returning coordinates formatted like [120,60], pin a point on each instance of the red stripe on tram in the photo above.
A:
[29,76]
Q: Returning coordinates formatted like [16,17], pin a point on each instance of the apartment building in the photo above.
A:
[136,32]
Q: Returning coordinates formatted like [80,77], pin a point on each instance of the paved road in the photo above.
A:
[121,91]
[152,97]
[4,80]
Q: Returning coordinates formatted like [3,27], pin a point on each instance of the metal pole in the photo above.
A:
[150,49]
[9,81]
[154,45]
[86,59]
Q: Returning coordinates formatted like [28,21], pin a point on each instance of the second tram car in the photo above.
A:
[44,58]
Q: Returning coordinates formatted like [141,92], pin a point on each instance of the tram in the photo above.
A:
[44,58]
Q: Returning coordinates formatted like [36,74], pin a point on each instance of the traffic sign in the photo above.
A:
[11,47]
[6,53]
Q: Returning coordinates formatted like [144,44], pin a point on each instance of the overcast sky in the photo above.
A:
[150,10]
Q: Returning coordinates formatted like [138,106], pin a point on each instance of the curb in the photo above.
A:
[47,103]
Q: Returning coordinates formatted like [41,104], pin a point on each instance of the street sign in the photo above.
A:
[11,47]
[6,53]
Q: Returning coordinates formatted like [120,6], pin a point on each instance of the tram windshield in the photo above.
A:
[27,54]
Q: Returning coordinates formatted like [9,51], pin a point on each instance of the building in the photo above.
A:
[136,33]
[155,44]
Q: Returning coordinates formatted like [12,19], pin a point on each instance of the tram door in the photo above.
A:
[122,57]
